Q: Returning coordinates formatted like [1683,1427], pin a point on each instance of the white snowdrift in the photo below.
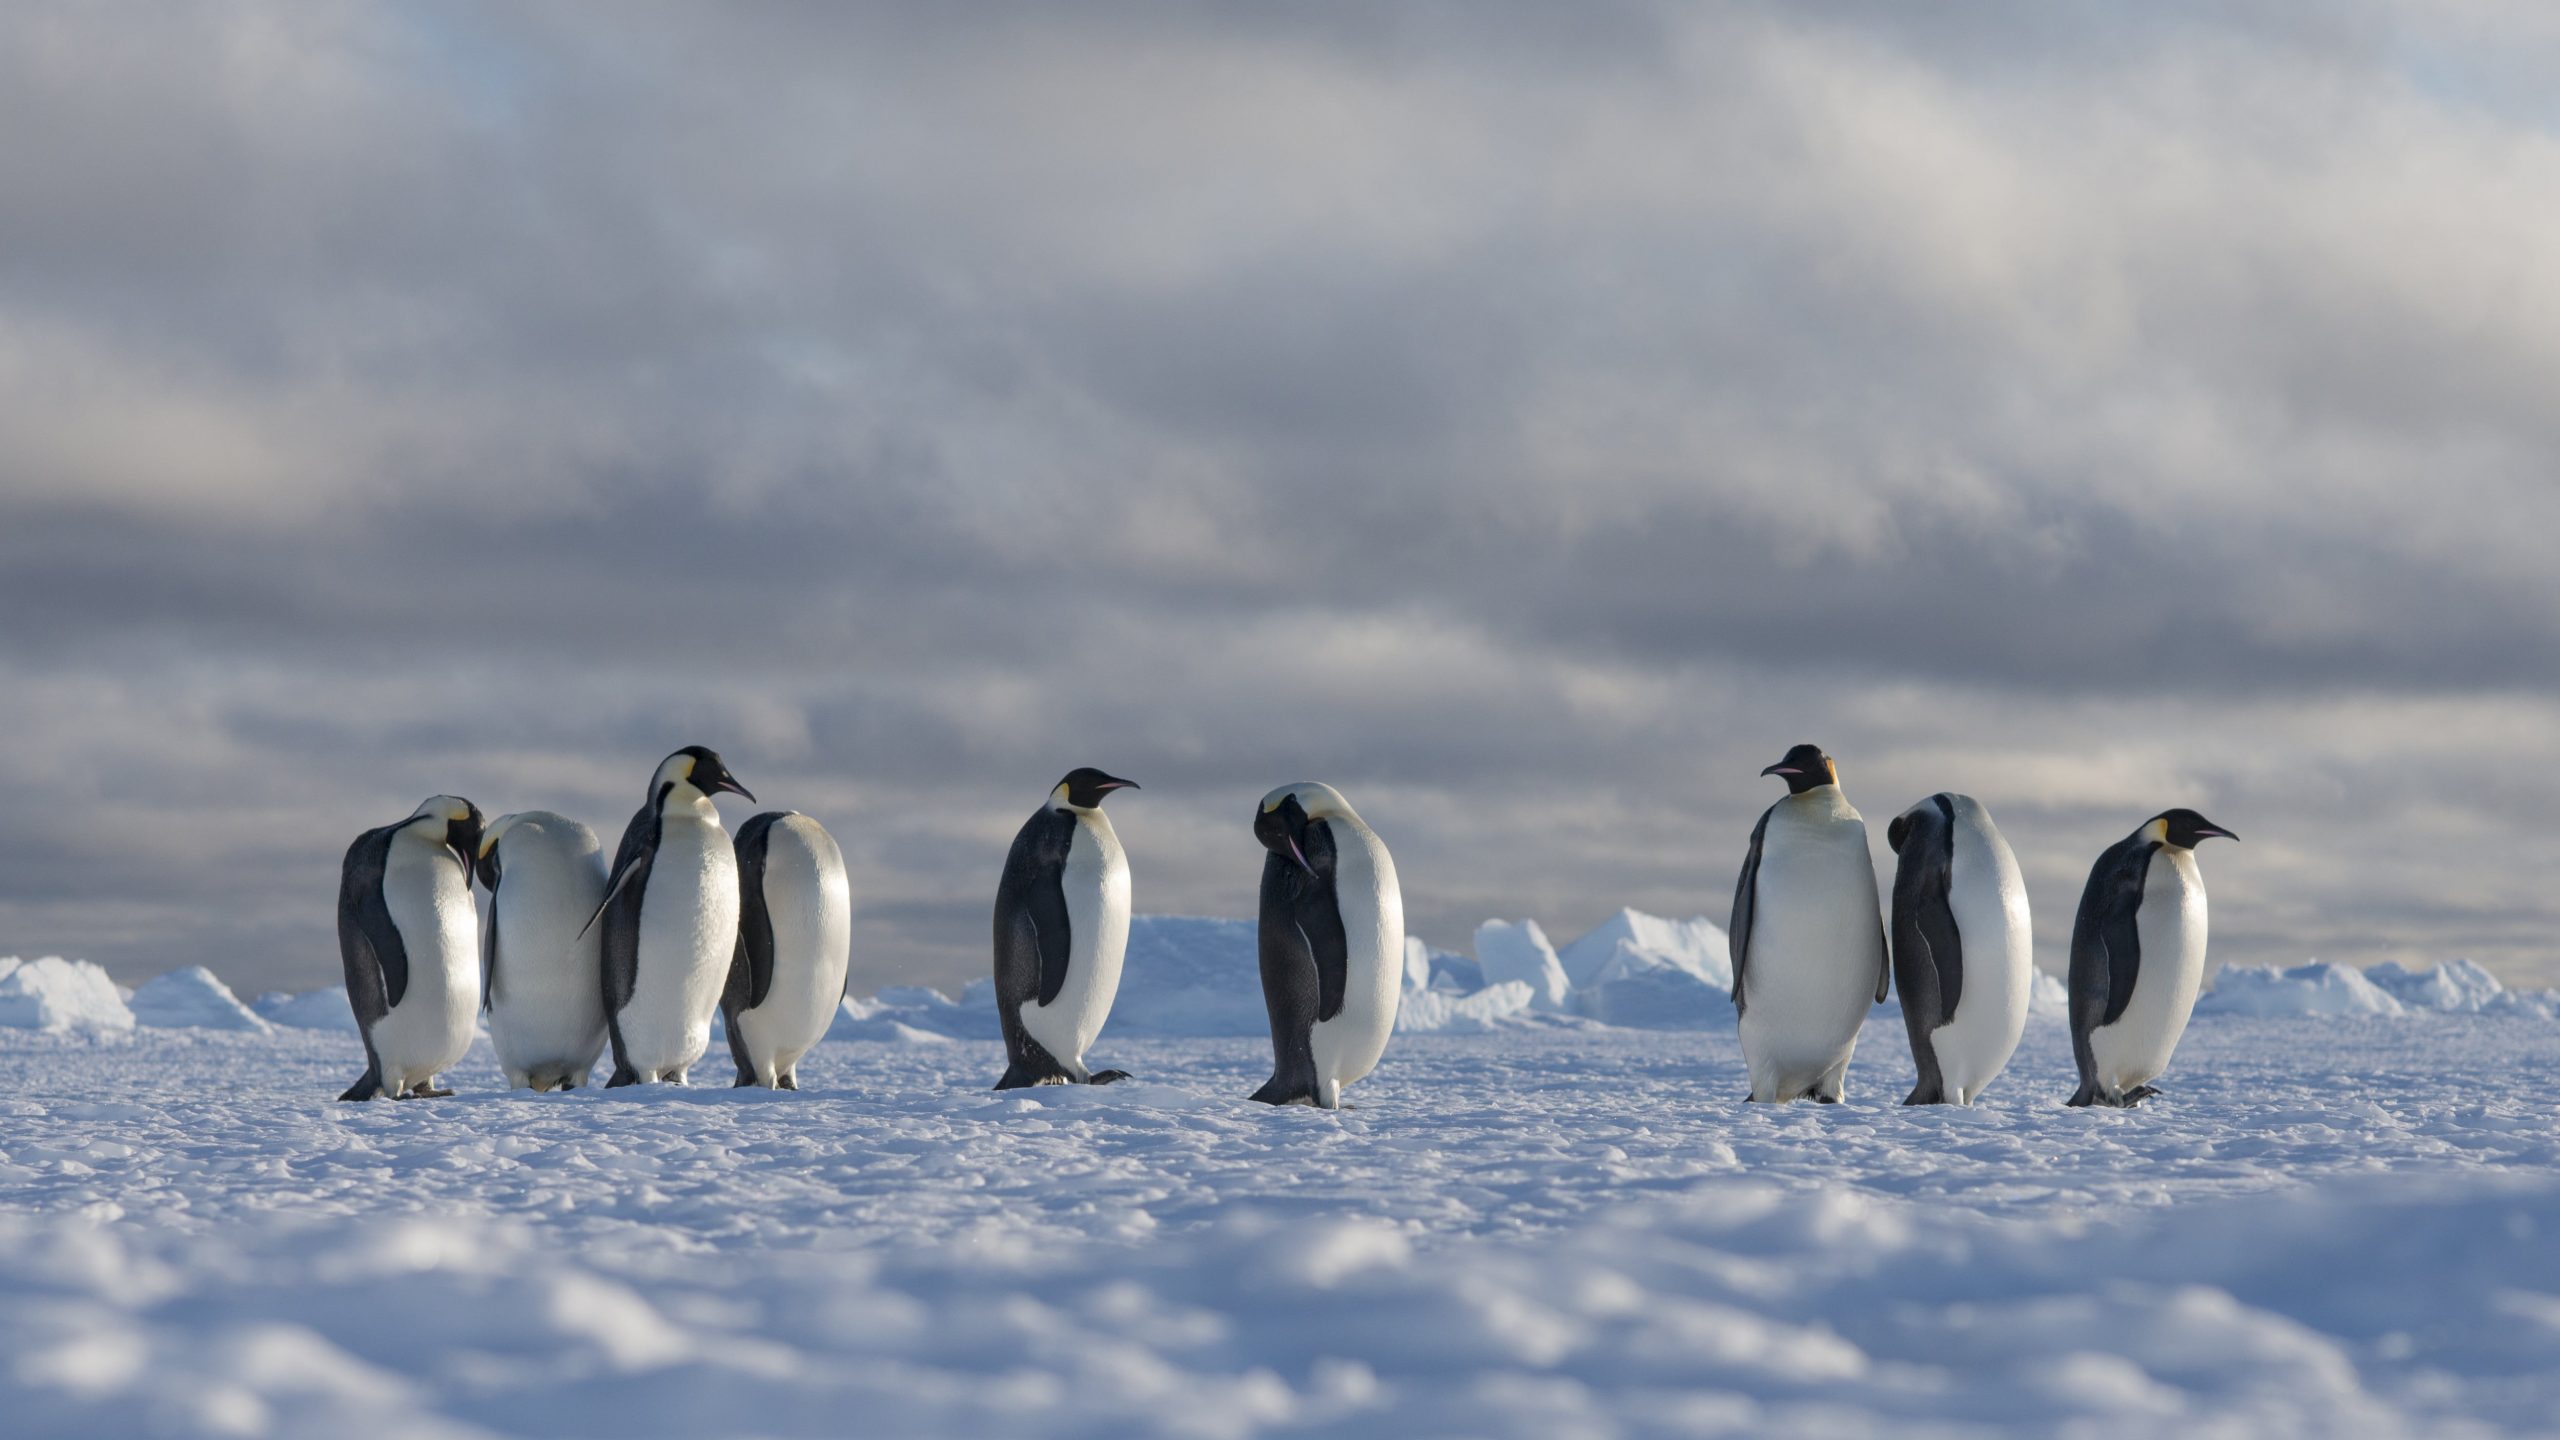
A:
[2457,987]
[1517,952]
[1437,1010]
[192,999]
[60,996]
[311,1010]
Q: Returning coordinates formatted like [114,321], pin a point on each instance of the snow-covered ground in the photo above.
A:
[2334,1225]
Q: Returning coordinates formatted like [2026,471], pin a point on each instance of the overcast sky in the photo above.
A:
[1530,420]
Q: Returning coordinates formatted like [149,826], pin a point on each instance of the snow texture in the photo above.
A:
[61,996]
[2341,1228]
[312,1010]
[192,999]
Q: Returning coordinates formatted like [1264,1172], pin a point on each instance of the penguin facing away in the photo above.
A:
[1331,943]
[795,941]
[2137,957]
[1807,936]
[1061,929]
[1963,953]
[542,975]
[408,936]
[670,918]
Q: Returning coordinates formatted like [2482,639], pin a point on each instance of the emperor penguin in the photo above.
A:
[543,976]
[795,939]
[1061,926]
[1332,944]
[409,937]
[1963,954]
[2137,957]
[1807,935]
[670,915]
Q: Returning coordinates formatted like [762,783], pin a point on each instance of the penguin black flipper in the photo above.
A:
[1928,961]
[629,882]
[1738,934]
[1032,935]
[369,948]
[2106,953]
[1292,987]
[751,963]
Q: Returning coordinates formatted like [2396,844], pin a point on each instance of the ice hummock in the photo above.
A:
[67,997]
[192,999]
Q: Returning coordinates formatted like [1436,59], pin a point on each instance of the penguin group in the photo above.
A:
[687,924]
[575,957]
[1810,951]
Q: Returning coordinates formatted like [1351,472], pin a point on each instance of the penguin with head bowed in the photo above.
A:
[409,938]
[1332,944]
[1061,926]
[541,967]
[670,921]
[2137,957]
[1963,955]
[1807,936]
[795,941]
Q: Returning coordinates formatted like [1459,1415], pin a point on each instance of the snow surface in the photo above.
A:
[2335,1227]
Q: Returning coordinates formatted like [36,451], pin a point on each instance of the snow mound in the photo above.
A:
[2048,997]
[880,1021]
[1487,1009]
[312,1010]
[192,999]
[1651,992]
[1511,950]
[1698,946]
[60,996]
[2454,987]
[1188,975]
[2318,988]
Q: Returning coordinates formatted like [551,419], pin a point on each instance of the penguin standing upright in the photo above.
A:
[409,938]
[795,940]
[1061,926]
[2137,957]
[1808,937]
[670,916]
[1963,954]
[543,974]
[1332,944]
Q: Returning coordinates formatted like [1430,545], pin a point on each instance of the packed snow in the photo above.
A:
[2334,1222]
[192,999]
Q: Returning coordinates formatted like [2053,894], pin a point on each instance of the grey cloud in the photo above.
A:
[1530,419]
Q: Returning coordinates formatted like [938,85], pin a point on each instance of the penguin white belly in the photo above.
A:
[546,1002]
[810,905]
[688,935]
[1347,1047]
[1095,881]
[2136,1048]
[430,905]
[1817,946]
[1988,898]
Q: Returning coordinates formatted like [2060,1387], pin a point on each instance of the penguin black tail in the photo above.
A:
[1034,1069]
[2083,1097]
[622,1075]
[366,1088]
[1927,1092]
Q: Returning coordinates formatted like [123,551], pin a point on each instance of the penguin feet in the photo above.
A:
[2138,1094]
[1105,1077]
[622,1075]
[426,1092]
[787,1082]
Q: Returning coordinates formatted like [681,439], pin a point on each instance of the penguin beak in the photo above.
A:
[2210,833]
[1300,856]
[730,783]
[1782,770]
[1108,786]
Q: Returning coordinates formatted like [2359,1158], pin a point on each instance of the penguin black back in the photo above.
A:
[1304,952]
[1928,950]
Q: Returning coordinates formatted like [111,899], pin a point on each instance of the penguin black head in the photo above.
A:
[2183,828]
[1084,788]
[461,827]
[700,767]
[489,866]
[1805,768]
[1281,822]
